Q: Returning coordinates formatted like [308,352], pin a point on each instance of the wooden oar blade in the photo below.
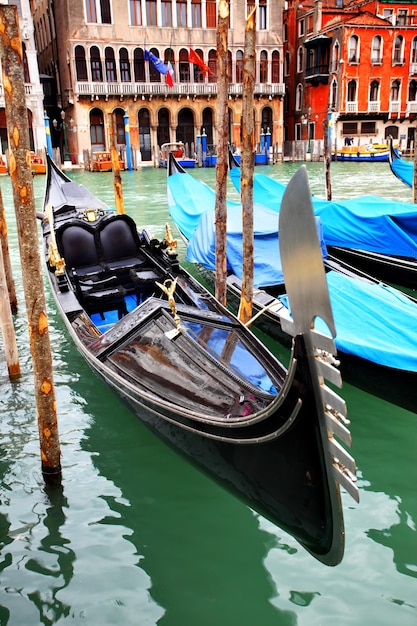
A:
[301,257]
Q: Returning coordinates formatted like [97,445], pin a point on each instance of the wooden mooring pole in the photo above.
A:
[22,184]
[247,163]
[222,123]
[117,179]
[7,328]
[6,258]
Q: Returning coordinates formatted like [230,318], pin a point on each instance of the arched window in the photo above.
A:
[376,55]
[398,50]
[124,65]
[138,65]
[25,65]
[239,66]
[395,91]
[262,15]
[263,67]
[414,50]
[197,71]
[154,75]
[162,132]
[97,130]
[334,95]
[212,63]
[169,58]
[95,65]
[299,98]
[353,52]
[80,63]
[351,91]
[184,66]
[229,67]
[120,126]
[275,68]
[300,59]
[374,91]
[412,91]
[335,56]
[110,65]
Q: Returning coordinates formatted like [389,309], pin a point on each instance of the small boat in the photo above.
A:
[196,376]
[37,164]
[367,153]
[176,148]
[101,162]
[404,170]
[3,164]
[372,234]
[376,324]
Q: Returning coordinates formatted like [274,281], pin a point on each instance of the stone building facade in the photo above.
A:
[93,53]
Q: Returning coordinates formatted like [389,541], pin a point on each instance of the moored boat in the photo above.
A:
[366,153]
[37,164]
[374,235]
[176,148]
[403,170]
[195,375]
[102,162]
[376,324]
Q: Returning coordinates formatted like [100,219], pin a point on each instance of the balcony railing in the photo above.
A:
[394,106]
[374,106]
[351,107]
[412,107]
[413,68]
[93,90]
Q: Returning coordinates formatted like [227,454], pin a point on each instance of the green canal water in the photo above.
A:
[139,537]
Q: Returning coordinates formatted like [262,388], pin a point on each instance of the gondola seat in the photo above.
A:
[120,244]
[78,246]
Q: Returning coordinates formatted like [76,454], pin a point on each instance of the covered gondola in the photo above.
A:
[376,324]
[403,170]
[195,375]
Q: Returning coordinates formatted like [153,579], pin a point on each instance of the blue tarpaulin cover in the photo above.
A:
[373,321]
[366,223]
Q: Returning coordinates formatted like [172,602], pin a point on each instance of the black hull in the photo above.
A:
[389,269]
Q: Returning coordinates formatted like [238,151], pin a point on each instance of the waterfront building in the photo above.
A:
[33,88]
[94,55]
[353,63]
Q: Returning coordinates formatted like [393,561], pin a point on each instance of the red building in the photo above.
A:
[354,63]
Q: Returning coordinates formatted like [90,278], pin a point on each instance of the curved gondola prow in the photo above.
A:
[309,298]
[173,166]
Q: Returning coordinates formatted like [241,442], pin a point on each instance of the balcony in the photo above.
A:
[394,107]
[413,69]
[412,108]
[351,107]
[94,91]
[374,106]
[318,74]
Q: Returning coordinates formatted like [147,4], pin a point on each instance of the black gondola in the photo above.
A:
[195,375]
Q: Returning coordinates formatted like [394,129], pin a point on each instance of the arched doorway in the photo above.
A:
[208,125]
[98,142]
[163,127]
[266,121]
[185,128]
[119,126]
[145,134]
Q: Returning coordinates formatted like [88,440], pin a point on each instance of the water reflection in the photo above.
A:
[202,549]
